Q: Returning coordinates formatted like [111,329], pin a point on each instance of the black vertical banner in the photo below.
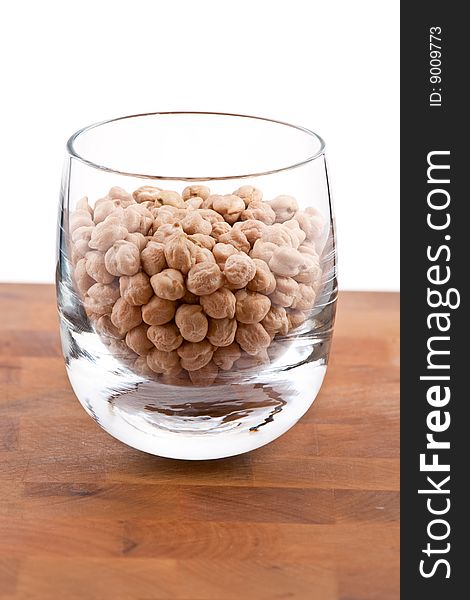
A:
[435,324]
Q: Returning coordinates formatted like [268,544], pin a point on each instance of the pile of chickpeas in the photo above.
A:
[194,284]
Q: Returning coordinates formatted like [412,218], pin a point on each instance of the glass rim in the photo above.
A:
[74,154]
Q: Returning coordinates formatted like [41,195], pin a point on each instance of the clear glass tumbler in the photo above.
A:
[196,279]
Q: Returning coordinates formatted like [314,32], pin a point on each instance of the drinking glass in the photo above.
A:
[196,278]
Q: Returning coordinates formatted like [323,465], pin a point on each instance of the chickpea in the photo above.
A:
[211,215]
[286,262]
[105,327]
[204,241]
[200,191]
[103,210]
[219,229]
[308,248]
[248,194]
[276,321]
[220,304]
[120,194]
[294,226]
[252,338]
[194,203]
[296,318]
[139,240]
[204,278]
[79,218]
[192,322]
[165,232]
[105,234]
[310,271]
[221,252]
[138,341]
[221,332]
[153,258]
[83,280]
[264,280]
[147,193]
[190,298]
[229,206]
[79,250]
[205,375]
[124,316]
[311,221]
[165,337]
[259,211]
[158,311]
[164,362]
[237,238]
[204,255]
[123,258]
[239,270]
[209,201]
[253,361]
[142,368]
[82,233]
[226,356]
[169,284]
[252,229]
[120,350]
[194,223]
[285,292]
[170,198]
[279,235]
[95,267]
[305,298]
[137,219]
[285,208]
[136,290]
[180,253]
[104,294]
[195,355]
[263,250]
[163,216]
[251,307]
[82,204]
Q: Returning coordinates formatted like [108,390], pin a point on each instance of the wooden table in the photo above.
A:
[312,516]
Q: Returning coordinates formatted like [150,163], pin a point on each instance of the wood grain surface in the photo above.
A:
[314,515]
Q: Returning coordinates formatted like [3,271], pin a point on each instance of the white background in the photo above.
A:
[329,66]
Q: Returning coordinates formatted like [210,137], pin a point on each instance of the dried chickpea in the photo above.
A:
[79,218]
[204,255]
[294,226]
[209,201]
[137,219]
[284,207]
[164,362]
[190,298]
[204,278]
[253,361]
[165,232]
[142,368]
[165,337]
[311,221]
[211,215]
[229,206]
[308,248]
[220,304]
[239,269]
[170,198]
[206,375]
[169,284]
[279,235]
[264,280]
[221,252]
[237,238]
[195,355]
[226,356]
[194,223]
[105,234]
[79,250]
[221,332]
[180,253]
[124,316]
[285,292]
[103,210]
[252,229]
[82,233]
[104,294]
[259,211]
[296,318]
[82,277]
[82,204]
[153,258]
[200,191]
[263,250]
[120,350]
[138,341]
[194,203]
[219,229]
[248,194]
[192,322]
[276,321]
[310,271]
[95,267]
[158,311]
[118,193]
[136,289]
[147,193]
[251,307]
[305,298]
[139,240]
[123,258]
[286,262]
[163,216]
[204,241]
[105,327]
[252,338]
